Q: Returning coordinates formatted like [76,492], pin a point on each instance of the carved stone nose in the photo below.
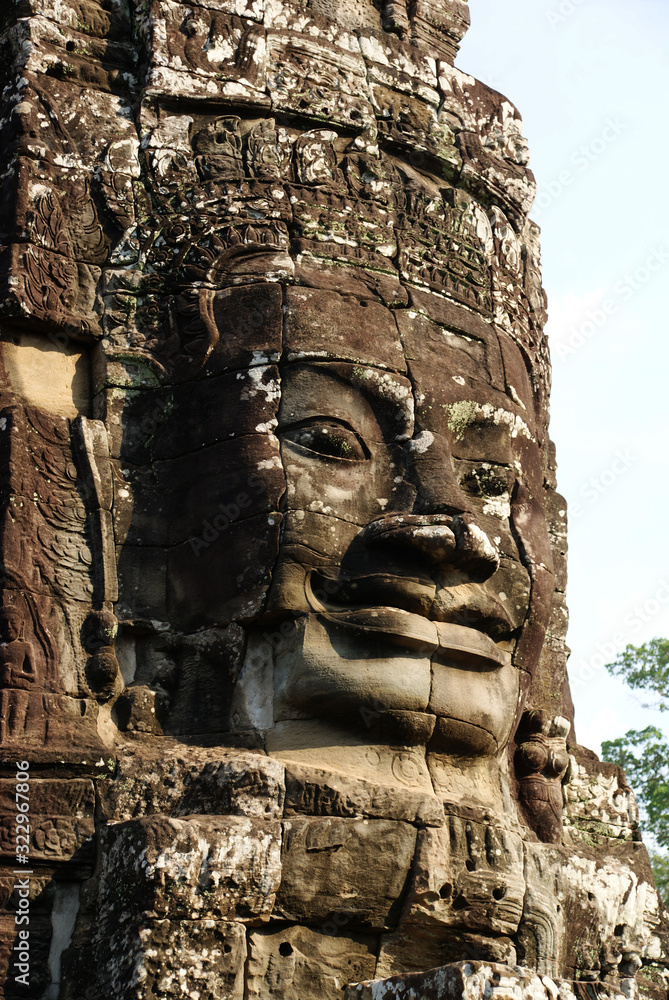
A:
[431,536]
[437,538]
[475,550]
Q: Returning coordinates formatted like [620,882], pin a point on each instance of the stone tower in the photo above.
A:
[283,561]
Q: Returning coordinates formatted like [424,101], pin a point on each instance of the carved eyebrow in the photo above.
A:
[381,384]
[326,418]
[382,389]
[360,375]
[377,386]
[467,412]
[392,400]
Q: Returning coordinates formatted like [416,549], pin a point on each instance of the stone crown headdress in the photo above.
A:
[331,129]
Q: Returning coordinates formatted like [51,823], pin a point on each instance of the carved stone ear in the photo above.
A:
[91,447]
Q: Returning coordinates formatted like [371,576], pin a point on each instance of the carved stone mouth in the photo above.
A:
[446,642]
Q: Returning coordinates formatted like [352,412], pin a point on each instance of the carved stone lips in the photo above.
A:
[457,645]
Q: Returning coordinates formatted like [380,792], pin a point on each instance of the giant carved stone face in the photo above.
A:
[400,547]
[349,472]
[396,589]
[283,561]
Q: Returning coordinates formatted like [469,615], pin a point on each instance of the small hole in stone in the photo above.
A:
[285,949]
[355,114]
[70,46]
[620,930]
[364,302]
[459,903]
[445,890]
[469,865]
[499,892]
[227,949]
[591,896]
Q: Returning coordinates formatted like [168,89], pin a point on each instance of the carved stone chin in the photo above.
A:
[282,586]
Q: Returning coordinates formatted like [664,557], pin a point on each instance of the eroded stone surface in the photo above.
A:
[467,980]
[181,782]
[222,866]
[353,869]
[162,958]
[296,961]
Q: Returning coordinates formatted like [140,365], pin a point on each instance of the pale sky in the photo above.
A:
[591,80]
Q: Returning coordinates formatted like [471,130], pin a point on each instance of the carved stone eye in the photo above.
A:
[487,482]
[328,439]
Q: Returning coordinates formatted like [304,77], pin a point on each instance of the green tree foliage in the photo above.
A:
[660,865]
[646,668]
[644,754]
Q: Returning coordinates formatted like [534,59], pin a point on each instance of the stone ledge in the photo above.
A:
[471,981]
